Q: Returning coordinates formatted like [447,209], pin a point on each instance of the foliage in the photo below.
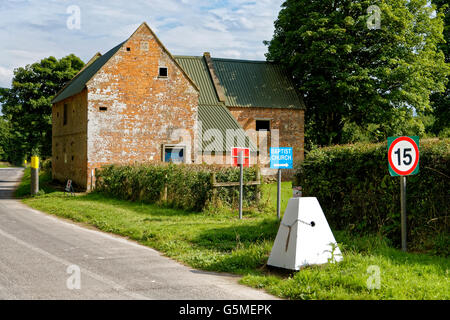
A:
[27,105]
[184,186]
[353,185]
[5,135]
[441,101]
[24,188]
[350,73]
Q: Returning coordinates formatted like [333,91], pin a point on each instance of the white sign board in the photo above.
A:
[304,237]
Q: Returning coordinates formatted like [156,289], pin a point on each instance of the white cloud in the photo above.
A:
[5,77]
[30,31]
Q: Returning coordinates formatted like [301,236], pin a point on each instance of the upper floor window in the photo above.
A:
[163,72]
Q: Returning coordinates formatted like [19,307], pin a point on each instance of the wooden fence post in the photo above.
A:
[213,183]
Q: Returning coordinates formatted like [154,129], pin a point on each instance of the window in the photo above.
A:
[174,154]
[128,49]
[65,114]
[103,108]
[163,72]
[262,125]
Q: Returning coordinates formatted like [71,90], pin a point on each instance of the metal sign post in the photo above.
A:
[403,158]
[279,195]
[241,181]
[403,208]
[280,158]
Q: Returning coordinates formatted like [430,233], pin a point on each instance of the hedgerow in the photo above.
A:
[353,185]
[182,186]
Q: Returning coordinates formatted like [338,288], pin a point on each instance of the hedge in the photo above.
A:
[182,186]
[357,193]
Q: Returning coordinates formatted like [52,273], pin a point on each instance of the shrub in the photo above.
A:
[353,185]
[183,186]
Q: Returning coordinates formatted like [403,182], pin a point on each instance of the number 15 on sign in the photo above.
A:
[403,156]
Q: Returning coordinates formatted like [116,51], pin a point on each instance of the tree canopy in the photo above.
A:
[27,104]
[441,101]
[350,73]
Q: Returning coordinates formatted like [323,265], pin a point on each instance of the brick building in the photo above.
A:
[138,103]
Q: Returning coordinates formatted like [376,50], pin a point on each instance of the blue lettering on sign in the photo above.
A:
[281,158]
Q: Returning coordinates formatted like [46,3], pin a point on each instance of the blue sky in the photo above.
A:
[34,29]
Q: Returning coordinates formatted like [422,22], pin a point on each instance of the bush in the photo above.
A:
[182,186]
[353,185]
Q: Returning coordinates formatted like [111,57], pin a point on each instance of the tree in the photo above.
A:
[441,101]
[27,105]
[4,139]
[350,73]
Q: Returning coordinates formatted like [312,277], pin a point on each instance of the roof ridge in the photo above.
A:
[243,60]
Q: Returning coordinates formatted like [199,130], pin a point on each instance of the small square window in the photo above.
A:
[262,125]
[128,49]
[163,72]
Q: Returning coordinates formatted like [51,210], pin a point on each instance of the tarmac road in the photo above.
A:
[40,257]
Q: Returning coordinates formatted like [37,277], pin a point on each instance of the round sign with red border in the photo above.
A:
[403,155]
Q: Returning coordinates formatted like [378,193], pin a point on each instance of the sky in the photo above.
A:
[34,29]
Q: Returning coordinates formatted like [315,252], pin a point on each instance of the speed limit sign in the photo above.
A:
[403,156]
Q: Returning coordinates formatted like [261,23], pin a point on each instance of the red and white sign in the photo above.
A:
[235,156]
[403,156]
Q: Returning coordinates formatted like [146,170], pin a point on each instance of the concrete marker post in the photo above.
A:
[34,175]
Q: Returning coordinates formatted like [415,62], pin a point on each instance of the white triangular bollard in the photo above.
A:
[304,237]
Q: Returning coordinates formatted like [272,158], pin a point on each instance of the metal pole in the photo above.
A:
[34,175]
[403,212]
[279,194]
[241,182]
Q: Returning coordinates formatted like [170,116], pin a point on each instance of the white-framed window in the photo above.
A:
[174,153]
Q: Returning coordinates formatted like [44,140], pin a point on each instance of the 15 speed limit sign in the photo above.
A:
[403,156]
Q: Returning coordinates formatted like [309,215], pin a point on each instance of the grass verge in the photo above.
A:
[221,242]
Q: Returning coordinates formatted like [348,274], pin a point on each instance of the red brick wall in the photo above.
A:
[289,122]
[69,142]
[143,110]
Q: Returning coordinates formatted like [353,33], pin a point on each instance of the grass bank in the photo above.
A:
[221,242]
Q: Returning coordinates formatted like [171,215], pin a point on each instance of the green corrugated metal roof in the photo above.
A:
[256,84]
[198,71]
[212,113]
[77,84]
[219,117]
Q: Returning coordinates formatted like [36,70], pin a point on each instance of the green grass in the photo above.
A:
[24,187]
[4,165]
[221,242]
